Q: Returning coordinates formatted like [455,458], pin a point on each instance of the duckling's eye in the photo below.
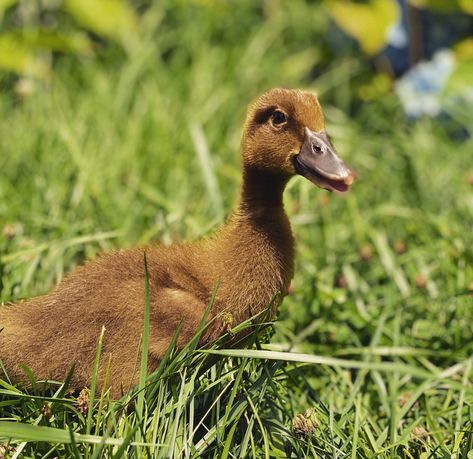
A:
[278,118]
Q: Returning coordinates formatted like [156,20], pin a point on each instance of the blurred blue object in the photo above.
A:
[419,56]
[420,89]
[421,33]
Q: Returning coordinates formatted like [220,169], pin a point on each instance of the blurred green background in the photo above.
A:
[120,125]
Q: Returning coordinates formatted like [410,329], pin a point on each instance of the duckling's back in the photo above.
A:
[51,332]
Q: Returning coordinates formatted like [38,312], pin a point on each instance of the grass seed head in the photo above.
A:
[324,200]
[404,397]
[419,432]
[305,424]
[341,281]
[9,231]
[227,321]
[366,252]
[5,451]
[24,88]
[400,247]
[469,178]
[421,280]
[82,401]
[46,410]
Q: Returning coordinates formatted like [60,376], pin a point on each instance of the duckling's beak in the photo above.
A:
[319,162]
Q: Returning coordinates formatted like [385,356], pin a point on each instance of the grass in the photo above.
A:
[371,354]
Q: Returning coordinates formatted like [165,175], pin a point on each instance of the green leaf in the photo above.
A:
[461,78]
[367,22]
[463,49]
[16,56]
[64,42]
[466,6]
[108,18]
[5,4]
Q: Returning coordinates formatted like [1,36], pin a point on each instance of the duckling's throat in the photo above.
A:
[258,244]
[261,218]
[261,190]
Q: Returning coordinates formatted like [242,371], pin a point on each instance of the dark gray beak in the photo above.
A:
[319,162]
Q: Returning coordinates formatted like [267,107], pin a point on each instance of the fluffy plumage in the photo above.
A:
[252,257]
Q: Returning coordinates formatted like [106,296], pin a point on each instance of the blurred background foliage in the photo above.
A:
[393,35]
[102,85]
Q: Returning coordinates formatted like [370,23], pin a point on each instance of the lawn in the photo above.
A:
[371,354]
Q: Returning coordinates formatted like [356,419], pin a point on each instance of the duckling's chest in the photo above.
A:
[258,263]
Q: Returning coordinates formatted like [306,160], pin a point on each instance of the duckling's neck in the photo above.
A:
[257,244]
[261,192]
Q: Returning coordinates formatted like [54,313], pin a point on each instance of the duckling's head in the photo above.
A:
[285,134]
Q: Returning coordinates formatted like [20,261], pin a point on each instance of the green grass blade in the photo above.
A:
[322,360]
[93,384]
[31,433]
[140,403]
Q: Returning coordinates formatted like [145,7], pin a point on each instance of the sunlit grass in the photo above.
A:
[376,338]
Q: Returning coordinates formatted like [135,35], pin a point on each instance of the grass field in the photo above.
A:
[377,334]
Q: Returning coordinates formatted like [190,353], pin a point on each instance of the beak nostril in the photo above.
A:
[319,162]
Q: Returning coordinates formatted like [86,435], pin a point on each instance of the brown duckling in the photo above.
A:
[251,257]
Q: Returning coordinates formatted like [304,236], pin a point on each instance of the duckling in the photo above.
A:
[251,258]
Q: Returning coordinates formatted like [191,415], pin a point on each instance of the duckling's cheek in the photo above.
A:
[289,164]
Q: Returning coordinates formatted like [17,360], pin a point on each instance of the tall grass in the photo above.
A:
[371,354]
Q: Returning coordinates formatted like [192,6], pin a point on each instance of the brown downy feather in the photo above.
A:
[251,257]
